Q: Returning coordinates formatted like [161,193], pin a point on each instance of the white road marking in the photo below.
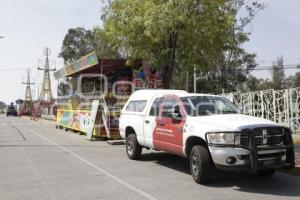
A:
[131,187]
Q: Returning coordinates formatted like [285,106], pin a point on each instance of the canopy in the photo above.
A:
[90,64]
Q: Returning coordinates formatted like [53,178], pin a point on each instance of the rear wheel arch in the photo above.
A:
[129,130]
[192,141]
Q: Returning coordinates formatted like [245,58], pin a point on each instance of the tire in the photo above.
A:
[266,172]
[200,164]
[133,148]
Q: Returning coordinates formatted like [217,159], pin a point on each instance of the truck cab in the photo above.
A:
[206,129]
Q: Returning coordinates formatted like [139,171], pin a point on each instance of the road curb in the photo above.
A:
[296,138]
[293,172]
[116,142]
[25,117]
[296,141]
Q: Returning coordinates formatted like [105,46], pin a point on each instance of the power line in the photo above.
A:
[12,69]
[291,66]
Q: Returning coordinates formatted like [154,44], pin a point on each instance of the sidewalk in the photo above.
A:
[48,117]
[296,170]
[296,138]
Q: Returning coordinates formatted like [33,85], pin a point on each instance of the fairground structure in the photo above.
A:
[45,102]
[92,91]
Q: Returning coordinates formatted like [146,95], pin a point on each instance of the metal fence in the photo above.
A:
[281,106]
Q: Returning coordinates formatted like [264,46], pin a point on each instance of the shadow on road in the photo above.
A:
[280,184]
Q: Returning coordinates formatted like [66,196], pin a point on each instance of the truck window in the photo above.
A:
[136,106]
[188,106]
[170,103]
[208,105]
[154,111]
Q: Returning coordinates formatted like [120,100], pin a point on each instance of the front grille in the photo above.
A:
[244,138]
[271,136]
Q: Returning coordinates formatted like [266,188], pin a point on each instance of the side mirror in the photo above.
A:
[176,113]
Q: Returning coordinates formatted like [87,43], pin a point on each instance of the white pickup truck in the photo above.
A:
[207,129]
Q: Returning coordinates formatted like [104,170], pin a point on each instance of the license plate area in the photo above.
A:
[271,163]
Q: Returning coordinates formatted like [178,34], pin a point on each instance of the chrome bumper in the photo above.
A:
[252,157]
[220,156]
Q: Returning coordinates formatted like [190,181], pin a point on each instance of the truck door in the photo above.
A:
[150,121]
[168,134]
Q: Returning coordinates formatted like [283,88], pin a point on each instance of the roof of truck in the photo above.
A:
[148,94]
[201,94]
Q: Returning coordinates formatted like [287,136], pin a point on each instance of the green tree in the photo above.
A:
[296,80]
[105,47]
[293,81]
[289,82]
[177,35]
[230,71]
[77,43]
[278,78]
[255,84]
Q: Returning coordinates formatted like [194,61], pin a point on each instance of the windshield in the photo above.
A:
[11,108]
[208,105]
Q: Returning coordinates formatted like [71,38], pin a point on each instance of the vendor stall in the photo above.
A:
[105,82]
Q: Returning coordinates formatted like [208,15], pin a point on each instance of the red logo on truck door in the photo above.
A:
[168,133]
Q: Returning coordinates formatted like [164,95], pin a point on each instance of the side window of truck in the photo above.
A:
[136,106]
[170,103]
[154,111]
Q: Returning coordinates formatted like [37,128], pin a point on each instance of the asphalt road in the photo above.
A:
[38,161]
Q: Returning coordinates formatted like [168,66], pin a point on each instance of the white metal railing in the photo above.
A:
[281,106]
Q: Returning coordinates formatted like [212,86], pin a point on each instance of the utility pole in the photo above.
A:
[187,81]
[196,79]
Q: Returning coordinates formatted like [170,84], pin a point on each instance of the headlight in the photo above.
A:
[220,138]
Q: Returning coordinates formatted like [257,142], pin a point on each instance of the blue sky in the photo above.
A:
[29,26]
[276,32]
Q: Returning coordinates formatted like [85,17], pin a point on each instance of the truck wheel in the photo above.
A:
[200,164]
[266,172]
[133,148]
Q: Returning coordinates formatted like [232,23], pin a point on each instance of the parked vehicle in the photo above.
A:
[207,129]
[11,110]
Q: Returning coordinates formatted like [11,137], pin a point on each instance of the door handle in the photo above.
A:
[147,121]
[162,123]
